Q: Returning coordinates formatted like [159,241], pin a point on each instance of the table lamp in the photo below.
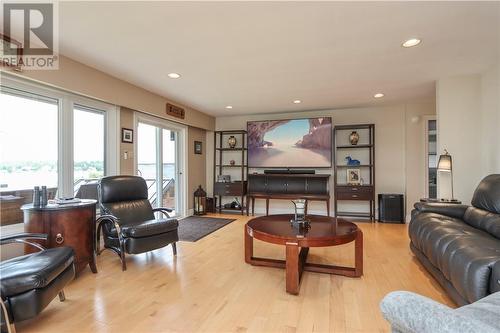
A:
[445,165]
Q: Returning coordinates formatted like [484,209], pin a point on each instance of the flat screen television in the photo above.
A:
[292,143]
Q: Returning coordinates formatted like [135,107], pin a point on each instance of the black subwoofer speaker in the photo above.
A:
[391,208]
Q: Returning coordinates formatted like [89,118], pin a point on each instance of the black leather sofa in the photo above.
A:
[460,245]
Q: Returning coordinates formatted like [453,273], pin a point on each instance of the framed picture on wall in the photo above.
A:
[353,176]
[127,135]
[198,147]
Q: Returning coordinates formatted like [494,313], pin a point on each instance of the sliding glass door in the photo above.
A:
[159,163]
[147,163]
[169,168]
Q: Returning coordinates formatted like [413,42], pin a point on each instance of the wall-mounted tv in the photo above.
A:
[292,143]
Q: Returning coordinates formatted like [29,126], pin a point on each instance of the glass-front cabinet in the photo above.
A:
[431,157]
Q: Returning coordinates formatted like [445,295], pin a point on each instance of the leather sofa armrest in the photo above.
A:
[451,210]
[495,278]
[410,312]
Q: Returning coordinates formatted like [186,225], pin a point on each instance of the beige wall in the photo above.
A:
[127,121]
[415,152]
[196,173]
[468,112]
[196,163]
[490,116]
[396,138]
[82,79]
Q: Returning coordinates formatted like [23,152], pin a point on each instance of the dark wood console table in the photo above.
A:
[311,187]
[71,225]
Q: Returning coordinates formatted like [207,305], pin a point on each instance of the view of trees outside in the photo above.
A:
[28,143]
[88,146]
[146,166]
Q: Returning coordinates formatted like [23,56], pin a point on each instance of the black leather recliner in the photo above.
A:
[127,219]
[30,282]
[459,244]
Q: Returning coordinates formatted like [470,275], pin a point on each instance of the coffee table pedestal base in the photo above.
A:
[296,262]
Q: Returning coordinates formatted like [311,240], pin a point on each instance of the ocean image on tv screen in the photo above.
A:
[290,143]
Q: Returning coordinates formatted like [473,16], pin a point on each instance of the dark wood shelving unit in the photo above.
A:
[237,187]
[355,192]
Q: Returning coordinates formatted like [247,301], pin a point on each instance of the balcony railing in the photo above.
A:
[86,188]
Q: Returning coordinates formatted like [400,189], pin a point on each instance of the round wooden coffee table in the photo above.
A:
[323,231]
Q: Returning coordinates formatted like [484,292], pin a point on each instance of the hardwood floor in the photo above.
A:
[208,287]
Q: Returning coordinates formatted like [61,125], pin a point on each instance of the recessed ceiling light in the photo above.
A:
[297,101]
[411,42]
[229,107]
[173,75]
[378,95]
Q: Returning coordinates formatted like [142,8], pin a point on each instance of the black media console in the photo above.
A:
[289,186]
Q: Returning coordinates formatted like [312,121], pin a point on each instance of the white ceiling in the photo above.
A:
[260,56]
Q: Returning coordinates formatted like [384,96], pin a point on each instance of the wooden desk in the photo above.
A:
[70,225]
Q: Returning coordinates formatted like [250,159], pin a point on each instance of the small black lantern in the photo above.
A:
[200,201]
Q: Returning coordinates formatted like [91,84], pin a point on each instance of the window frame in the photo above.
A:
[66,102]
[181,155]
[86,108]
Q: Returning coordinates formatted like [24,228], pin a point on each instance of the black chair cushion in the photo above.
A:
[33,271]
[149,228]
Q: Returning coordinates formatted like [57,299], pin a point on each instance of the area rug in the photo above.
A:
[193,228]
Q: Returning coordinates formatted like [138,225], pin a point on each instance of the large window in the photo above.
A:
[28,150]
[55,139]
[88,150]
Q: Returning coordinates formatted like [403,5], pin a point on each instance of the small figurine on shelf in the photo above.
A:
[351,161]
[232,162]
[231,141]
[354,138]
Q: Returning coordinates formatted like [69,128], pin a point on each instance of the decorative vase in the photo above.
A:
[232,162]
[300,212]
[354,138]
[231,141]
